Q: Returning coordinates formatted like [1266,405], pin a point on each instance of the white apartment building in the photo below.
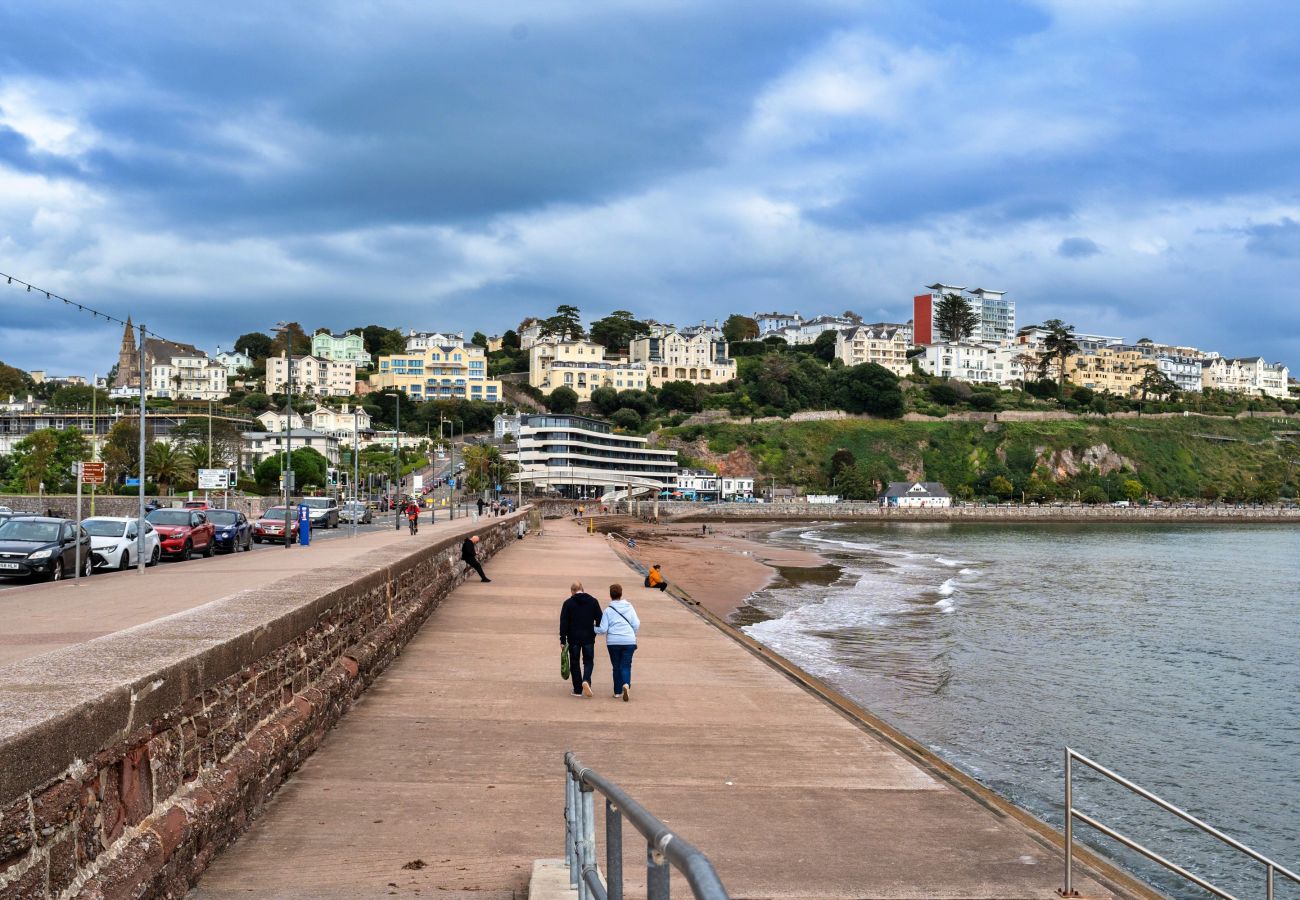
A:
[775,322]
[188,378]
[737,487]
[882,343]
[698,355]
[1250,375]
[419,341]
[582,367]
[339,422]
[350,347]
[578,457]
[807,331]
[312,377]
[272,420]
[976,363]
[258,445]
[1184,371]
[698,484]
[997,313]
[530,332]
[233,360]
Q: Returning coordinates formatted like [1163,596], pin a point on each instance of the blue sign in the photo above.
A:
[451,482]
[498,488]
[133,482]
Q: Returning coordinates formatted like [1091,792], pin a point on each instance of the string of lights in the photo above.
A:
[81,307]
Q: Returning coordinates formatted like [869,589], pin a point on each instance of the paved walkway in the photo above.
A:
[38,618]
[446,779]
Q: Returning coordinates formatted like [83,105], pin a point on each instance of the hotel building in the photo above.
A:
[580,456]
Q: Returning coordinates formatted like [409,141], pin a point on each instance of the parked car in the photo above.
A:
[183,532]
[196,504]
[113,542]
[43,546]
[324,511]
[270,527]
[233,530]
[356,511]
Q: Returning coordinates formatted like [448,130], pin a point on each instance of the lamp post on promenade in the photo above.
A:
[397,446]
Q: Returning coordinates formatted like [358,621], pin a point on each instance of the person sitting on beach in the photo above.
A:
[655,578]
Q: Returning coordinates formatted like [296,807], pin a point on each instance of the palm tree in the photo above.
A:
[1059,344]
[167,465]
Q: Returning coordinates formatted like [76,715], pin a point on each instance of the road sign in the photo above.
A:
[133,482]
[214,479]
[92,473]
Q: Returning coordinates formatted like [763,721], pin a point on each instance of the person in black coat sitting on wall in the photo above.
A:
[469,553]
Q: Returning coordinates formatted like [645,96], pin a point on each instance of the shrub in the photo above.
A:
[626,418]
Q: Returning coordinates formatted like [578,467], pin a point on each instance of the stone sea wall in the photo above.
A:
[128,762]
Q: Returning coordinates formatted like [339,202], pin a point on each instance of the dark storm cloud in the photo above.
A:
[1280,240]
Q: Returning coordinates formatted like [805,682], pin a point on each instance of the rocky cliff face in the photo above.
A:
[1064,464]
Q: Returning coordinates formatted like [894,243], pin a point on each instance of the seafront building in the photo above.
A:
[1114,369]
[997,313]
[980,363]
[311,376]
[350,347]
[437,367]
[882,343]
[773,323]
[233,360]
[582,457]
[582,367]
[915,495]
[259,445]
[188,377]
[1250,375]
[699,355]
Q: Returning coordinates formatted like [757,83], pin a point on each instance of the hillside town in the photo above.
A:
[555,386]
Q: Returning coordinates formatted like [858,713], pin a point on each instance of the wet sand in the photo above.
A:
[723,568]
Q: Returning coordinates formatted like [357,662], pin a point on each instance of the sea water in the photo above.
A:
[1170,654]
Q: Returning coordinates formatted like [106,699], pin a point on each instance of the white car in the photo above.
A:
[112,542]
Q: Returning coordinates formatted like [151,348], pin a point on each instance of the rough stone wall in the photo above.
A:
[128,763]
[66,504]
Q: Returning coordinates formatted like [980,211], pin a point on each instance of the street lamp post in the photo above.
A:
[287,469]
[356,470]
[397,447]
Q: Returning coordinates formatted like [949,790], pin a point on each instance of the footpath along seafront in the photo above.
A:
[446,777]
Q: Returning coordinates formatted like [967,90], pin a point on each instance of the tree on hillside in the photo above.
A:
[954,318]
[121,451]
[192,436]
[510,340]
[682,395]
[739,328]
[381,340]
[566,323]
[308,470]
[868,388]
[605,399]
[479,339]
[1058,346]
[562,400]
[256,344]
[78,396]
[13,381]
[1156,383]
[824,347]
[617,330]
[292,340]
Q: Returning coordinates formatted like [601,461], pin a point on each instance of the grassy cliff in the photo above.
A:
[1246,459]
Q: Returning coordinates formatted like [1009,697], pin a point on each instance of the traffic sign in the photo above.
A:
[214,479]
[92,473]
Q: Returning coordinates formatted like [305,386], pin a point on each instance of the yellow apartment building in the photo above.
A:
[452,371]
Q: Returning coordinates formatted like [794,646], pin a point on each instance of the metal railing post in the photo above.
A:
[656,873]
[587,845]
[1269,888]
[570,827]
[614,851]
[1069,827]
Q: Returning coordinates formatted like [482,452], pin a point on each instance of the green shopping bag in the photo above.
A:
[564,661]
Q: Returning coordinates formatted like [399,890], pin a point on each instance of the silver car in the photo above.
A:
[355,510]
[113,542]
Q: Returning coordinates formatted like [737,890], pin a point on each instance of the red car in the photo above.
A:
[196,504]
[270,527]
[183,532]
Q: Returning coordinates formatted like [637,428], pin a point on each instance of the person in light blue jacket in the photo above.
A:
[620,625]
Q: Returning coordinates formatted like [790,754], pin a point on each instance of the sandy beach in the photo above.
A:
[720,569]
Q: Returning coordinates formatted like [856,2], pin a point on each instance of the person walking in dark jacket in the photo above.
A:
[469,554]
[578,620]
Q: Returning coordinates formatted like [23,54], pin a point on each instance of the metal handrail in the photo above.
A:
[1271,868]
[664,849]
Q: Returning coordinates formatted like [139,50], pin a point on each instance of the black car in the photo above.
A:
[43,546]
[233,530]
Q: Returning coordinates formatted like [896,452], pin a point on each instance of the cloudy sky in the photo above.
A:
[1132,166]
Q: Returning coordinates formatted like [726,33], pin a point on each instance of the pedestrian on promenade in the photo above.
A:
[620,625]
[481,504]
[469,555]
[655,578]
[579,617]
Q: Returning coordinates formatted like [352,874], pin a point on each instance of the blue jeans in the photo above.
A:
[620,660]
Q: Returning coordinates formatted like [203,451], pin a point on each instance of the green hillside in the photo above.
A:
[1092,459]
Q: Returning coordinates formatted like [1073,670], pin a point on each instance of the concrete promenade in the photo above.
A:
[446,778]
[38,618]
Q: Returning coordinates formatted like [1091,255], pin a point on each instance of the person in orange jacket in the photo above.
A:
[655,578]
